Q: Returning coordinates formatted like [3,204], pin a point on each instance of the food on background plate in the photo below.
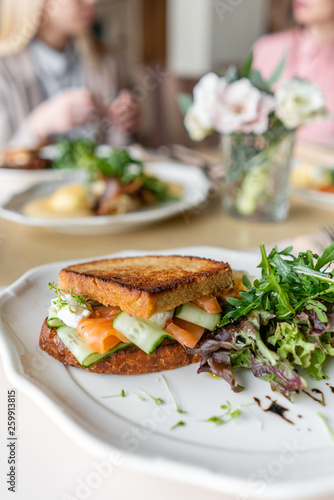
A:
[71,200]
[307,175]
[281,324]
[116,184]
[134,315]
[23,159]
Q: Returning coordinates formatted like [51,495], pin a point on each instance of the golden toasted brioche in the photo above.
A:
[143,286]
[130,361]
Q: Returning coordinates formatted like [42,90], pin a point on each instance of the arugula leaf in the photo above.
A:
[317,275]
[289,284]
[283,306]
[319,309]
[326,258]
[246,282]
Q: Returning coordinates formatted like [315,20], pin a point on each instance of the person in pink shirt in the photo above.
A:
[309,49]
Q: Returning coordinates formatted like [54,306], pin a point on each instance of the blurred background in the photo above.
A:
[167,45]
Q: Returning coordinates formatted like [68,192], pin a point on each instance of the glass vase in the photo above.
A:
[256,175]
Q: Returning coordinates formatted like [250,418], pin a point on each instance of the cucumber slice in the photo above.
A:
[86,356]
[54,322]
[193,314]
[144,334]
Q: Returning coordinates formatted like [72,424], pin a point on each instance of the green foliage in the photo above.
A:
[328,427]
[179,424]
[62,300]
[286,319]
[79,153]
[178,408]
[247,66]
[158,401]
[118,164]
[184,102]
[231,413]
[278,71]
[259,82]
[315,368]
[289,285]
[291,344]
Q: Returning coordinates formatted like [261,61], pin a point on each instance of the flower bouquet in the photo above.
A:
[257,128]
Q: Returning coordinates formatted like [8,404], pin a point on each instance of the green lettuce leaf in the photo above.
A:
[316,362]
[291,344]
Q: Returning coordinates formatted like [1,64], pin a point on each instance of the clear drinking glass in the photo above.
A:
[256,175]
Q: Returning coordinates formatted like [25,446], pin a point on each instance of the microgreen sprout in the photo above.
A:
[178,409]
[158,401]
[122,394]
[136,396]
[231,413]
[179,424]
[328,427]
[62,299]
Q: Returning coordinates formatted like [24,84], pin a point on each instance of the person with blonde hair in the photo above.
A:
[309,51]
[55,79]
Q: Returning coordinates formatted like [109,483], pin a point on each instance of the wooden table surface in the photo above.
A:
[23,247]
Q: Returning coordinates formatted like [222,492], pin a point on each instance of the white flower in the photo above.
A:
[242,108]
[196,131]
[299,102]
[266,106]
[198,120]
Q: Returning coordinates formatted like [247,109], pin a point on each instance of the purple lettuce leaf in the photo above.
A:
[239,345]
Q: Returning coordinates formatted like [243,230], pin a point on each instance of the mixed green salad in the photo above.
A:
[117,164]
[281,325]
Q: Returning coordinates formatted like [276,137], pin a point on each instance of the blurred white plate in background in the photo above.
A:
[306,178]
[195,185]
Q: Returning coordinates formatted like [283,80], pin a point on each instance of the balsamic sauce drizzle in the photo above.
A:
[275,408]
[317,391]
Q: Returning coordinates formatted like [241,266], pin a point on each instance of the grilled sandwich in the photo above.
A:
[134,315]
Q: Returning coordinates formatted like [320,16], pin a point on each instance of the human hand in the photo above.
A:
[61,113]
[124,112]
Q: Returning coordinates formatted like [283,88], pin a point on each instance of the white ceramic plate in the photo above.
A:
[195,191]
[315,198]
[14,180]
[259,456]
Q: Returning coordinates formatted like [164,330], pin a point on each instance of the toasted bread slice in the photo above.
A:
[143,286]
[130,361]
